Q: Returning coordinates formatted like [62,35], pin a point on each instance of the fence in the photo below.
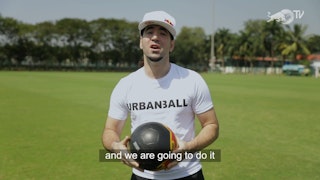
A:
[249,70]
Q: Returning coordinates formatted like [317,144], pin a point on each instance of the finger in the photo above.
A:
[129,162]
[140,169]
[132,163]
[177,151]
[135,164]
[125,140]
[172,164]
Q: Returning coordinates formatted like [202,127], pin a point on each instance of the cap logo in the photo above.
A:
[169,22]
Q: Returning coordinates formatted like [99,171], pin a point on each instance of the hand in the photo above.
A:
[122,148]
[182,148]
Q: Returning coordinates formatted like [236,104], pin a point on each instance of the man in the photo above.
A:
[182,93]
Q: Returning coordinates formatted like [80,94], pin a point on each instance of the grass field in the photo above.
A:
[51,124]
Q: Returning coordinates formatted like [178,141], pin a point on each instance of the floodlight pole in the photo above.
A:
[212,56]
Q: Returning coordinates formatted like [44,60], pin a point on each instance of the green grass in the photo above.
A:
[51,124]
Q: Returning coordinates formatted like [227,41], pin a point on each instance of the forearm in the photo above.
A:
[109,137]
[111,141]
[206,136]
[111,133]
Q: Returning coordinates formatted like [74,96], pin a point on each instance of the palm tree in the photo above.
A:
[295,43]
[224,43]
[273,34]
[314,43]
[250,42]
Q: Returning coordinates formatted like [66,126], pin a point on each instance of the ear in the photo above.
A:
[172,45]
[140,44]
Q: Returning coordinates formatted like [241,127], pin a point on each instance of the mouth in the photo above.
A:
[155,46]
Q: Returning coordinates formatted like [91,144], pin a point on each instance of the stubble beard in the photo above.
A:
[155,59]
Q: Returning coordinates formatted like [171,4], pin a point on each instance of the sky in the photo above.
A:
[207,14]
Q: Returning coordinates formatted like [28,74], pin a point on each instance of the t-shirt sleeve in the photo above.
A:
[117,107]
[202,97]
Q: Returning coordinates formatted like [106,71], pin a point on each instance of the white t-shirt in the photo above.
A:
[172,100]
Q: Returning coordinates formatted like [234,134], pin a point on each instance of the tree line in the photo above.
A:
[114,43]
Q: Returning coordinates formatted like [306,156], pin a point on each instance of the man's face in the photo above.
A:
[156,43]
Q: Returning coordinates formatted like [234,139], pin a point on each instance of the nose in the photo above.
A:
[155,36]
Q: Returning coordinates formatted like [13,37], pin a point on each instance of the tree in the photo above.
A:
[16,39]
[296,42]
[9,35]
[274,34]
[74,34]
[250,41]
[125,43]
[224,44]
[190,48]
[9,30]
[116,41]
[313,43]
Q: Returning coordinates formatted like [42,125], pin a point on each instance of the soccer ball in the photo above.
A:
[151,141]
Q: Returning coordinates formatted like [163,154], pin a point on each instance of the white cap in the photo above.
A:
[160,18]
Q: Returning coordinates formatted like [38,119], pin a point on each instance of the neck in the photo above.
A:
[156,70]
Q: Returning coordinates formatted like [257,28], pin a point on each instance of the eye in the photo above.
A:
[149,31]
[163,33]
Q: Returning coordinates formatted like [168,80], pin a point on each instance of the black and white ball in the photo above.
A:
[152,137]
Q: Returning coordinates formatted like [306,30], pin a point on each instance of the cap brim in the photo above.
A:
[167,26]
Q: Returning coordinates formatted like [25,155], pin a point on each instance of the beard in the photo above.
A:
[155,59]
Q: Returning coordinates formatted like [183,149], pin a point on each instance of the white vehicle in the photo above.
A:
[295,69]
